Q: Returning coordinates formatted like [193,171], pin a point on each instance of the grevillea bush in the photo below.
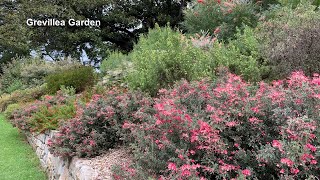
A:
[98,125]
[44,114]
[220,18]
[289,39]
[230,129]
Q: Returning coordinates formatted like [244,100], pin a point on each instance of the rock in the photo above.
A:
[56,167]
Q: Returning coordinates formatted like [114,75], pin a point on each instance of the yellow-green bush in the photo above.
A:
[163,57]
[242,56]
[12,107]
[21,96]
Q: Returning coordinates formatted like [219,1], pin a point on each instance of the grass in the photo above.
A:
[17,159]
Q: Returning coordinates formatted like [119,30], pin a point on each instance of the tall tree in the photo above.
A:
[122,21]
[13,34]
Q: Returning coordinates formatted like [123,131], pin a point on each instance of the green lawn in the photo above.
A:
[17,159]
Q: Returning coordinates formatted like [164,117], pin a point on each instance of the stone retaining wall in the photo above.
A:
[56,167]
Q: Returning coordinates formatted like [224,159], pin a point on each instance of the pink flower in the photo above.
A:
[172,166]
[201,1]
[287,161]
[159,107]
[255,109]
[217,30]
[294,171]
[49,142]
[231,124]
[92,142]
[209,108]
[311,147]
[181,156]
[254,120]
[246,172]
[158,122]
[277,144]
[282,171]
[186,173]
[126,125]
[313,162]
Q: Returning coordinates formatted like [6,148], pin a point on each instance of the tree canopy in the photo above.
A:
[122,21]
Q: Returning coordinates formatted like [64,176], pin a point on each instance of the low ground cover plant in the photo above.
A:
[44,114]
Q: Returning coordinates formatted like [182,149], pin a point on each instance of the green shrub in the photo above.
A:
[21,96]
[295,3]
[8,113]
[163,57]
[290,39]
[115,60]
[242,56]
[80,78]
[10,73]
[15,85]
[30,72]
[220,18]
[68,91]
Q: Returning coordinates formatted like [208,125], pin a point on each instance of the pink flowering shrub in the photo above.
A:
[231,129]
[44,114]
[98,124]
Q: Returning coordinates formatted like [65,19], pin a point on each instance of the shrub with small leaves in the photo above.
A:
[44,114]
[220,18]
[231,129]
[115,69]
[165,56]
[290,39]
[242,56]
[98,125]
[8,113]
[21,96]
[30,72]
[80,78]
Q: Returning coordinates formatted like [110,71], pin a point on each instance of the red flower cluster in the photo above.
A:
[227,130]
